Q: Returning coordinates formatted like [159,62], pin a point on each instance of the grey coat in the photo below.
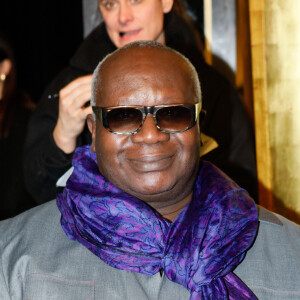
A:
[39,262]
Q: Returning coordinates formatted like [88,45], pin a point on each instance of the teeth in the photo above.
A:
[127,33]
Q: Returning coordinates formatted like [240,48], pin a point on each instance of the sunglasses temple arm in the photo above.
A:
[198,109]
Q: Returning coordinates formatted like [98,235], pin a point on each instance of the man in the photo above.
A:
[141,216]
[59,125]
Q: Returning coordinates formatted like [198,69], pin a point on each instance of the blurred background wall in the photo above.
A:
[275,47]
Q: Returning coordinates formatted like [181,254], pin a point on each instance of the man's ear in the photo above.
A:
[167,5]
[92,128]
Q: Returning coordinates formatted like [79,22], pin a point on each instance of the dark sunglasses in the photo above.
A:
[171,118]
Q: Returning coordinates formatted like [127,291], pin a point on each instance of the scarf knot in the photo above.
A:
[199,250]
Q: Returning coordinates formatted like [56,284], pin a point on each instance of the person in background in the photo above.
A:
[15,110]
[59,124]
[142,216]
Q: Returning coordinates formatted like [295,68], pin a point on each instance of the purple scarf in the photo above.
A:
[199,250]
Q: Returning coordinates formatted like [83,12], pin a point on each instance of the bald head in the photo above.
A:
[143,56]
[153,163]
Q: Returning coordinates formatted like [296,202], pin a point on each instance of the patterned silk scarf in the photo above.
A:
[199,250]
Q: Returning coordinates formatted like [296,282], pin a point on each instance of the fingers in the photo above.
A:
[74,97]
[87,111]
[72,112]
[76,93]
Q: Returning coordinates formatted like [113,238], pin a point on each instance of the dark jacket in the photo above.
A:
[226,119]
[14,198]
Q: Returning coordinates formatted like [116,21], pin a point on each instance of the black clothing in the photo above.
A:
[226,120]
[14,198]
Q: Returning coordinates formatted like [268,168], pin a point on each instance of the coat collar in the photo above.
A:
[92,50]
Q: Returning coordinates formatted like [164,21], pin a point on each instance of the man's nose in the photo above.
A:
[125,13]
[149,133]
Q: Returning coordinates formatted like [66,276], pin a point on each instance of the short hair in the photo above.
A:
[96,81]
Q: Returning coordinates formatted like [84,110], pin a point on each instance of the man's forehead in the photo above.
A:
[138,68]
[144,57]
[145,76]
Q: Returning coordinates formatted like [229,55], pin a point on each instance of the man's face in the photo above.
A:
[132,20]
[154,166]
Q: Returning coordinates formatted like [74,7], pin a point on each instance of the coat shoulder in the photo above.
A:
[271,266]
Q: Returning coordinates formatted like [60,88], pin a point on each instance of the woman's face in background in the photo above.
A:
[134,20]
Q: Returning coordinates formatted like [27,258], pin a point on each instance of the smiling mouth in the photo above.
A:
[128,34]
[151,163]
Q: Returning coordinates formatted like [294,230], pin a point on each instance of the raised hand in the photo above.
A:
[73,110]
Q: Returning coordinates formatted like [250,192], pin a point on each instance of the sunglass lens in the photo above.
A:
[174,118]
[124,120]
